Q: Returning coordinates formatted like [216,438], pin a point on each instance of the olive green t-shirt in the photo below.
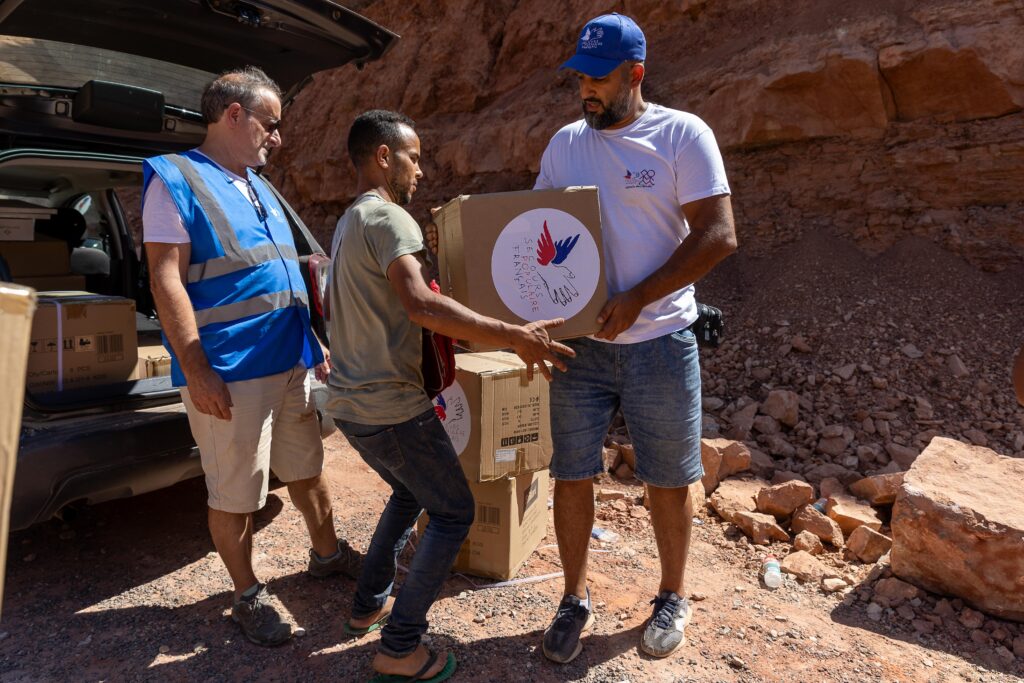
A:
[376,350]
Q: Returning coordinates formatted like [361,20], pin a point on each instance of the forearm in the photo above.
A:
[692,260]
[448,317]
[178,321]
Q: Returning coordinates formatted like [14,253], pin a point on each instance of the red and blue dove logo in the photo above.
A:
[441,407]
[549,251]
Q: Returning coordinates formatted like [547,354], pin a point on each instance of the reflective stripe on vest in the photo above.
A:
[235,257]
[225,265]
[264,303]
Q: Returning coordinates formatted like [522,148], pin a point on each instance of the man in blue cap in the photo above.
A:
[666,221]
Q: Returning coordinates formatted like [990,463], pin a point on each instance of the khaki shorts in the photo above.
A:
[273,426]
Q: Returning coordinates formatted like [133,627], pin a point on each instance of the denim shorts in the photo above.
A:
[657,385]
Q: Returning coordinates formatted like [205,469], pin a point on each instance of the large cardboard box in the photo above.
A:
[17,305]
[525,256]
[81,340]
[498,421]
[511,520]
[33,259]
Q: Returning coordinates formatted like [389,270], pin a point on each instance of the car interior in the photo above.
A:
[91,243]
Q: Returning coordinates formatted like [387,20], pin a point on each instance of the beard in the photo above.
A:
[610,113]
[402,191]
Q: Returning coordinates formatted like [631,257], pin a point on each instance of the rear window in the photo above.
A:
[28,61]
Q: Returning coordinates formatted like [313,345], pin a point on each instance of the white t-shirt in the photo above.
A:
[644,173]
[161,220]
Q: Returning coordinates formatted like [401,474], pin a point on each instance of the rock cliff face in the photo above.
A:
[876,120]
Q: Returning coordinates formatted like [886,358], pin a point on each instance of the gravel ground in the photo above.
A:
[132,590]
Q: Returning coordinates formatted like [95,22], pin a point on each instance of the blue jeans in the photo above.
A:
[657,385]
[417,460]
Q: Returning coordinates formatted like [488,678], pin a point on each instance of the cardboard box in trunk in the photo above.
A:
[81,340]
[154,361]
[511,520]
[499,422]
[35,259]
[525,256]
[17,305]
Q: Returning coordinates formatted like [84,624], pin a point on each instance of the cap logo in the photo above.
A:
[591,39]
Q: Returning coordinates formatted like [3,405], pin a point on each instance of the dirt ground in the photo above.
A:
[132,590]
[126,591]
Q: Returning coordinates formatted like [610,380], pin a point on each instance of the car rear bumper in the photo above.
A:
[101,457]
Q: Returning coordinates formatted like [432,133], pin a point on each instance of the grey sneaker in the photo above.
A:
[562,638]
[260,618]
[664,633]
[346,561]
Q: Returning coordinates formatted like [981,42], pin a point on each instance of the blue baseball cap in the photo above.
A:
[606,42]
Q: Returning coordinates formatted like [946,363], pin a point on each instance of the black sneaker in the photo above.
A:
[346,561]
[562,638]
[260,620]
[665,629]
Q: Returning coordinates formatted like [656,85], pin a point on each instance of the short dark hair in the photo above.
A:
[372,129]
[245,86]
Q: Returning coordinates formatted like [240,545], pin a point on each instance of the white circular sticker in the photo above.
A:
[545,264]
[452,408]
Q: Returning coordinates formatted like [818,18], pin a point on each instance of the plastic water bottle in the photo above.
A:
[820,505]
[604,535]
[771,572]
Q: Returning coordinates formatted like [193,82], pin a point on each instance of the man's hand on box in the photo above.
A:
[430,231]
[534,345]
[618,315]
[209,394]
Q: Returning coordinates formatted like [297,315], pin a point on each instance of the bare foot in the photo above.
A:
[408,666]
[366,622]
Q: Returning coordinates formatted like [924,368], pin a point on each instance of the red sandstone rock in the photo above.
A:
[762,529]
[850,513]
[782,499]
[722,458]
[809,519]
[867,544]
[735,496]
[805,567]
[783,405]
[808,542]
[958,526]
[880,489]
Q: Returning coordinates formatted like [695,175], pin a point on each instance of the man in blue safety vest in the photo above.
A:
[226,281]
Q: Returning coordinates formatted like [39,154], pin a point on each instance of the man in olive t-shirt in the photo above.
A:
[382,382]
[380,302]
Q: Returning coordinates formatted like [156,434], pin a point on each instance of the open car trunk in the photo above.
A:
[96,343]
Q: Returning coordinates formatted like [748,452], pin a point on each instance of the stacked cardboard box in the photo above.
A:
[43,265]
[499,424]
[18,219]
[525,256]
[17,305]
[81,340]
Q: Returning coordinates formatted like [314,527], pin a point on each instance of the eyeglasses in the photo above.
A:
[261,213]
[272,127]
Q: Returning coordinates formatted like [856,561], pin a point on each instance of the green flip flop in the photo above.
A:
[353,631]
[442,675]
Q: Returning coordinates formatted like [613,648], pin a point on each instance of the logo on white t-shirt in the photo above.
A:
[545,264]
[643,178]
[452,409]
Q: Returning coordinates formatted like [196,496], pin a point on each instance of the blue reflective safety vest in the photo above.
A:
[244,279]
